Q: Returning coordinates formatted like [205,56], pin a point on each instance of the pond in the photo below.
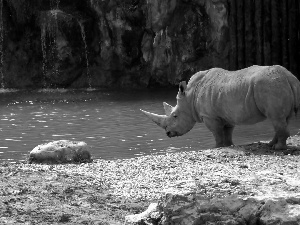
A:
[109,121]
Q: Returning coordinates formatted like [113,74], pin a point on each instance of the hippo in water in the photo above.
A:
[223,99]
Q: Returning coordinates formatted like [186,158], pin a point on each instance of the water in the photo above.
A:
[48,46]
[1,45]
[108,121]
[54,5]
[43,43]
[86,53]
[49,30]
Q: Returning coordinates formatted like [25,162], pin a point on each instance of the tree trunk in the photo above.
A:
[249,33]
[233,35]
[241,34]
[259,32]
[293,36]
[267,32]
[284,29]
[276,36]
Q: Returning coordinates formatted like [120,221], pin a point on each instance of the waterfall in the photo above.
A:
[49,29]
[48,36]
[54,5]
[43,42]
[1,45]
[86,54]
[57,3]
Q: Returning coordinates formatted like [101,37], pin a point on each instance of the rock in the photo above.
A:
[62,151]
[198,209]
[151,212]
[111,43]
[280,211]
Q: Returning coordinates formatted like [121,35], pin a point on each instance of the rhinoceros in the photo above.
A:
[223,99]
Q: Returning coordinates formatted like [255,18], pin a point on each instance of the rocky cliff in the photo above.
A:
[109,43]
[141,43]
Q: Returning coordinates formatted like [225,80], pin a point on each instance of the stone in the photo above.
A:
[151,212]
[111,43]
[193,208]
[279,211]
[62,151]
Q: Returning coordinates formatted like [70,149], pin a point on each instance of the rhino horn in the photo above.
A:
[160,120]
[168,108]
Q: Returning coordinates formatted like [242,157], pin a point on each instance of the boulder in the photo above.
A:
[62,151]
[186,209]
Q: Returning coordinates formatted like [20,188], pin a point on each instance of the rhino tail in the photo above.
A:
[296,95]
[296,111]
[296,92]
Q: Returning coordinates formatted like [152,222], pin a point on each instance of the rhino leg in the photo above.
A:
[228,129]
[274,141]
[217,130]
[281,134]
[222,133]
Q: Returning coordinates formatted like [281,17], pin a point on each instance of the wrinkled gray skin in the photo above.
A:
[222,99]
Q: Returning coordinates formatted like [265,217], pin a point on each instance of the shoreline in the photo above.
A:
[105,191]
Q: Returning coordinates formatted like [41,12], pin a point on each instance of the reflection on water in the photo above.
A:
[110,122]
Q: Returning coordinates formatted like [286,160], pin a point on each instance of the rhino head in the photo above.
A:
[179,119]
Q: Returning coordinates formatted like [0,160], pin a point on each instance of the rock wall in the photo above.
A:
[110,43]
[140,43]
[186,209]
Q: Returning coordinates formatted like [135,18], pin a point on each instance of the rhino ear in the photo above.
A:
[182,87]
[168,109]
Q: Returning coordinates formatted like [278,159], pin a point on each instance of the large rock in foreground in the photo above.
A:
[186,209]
[62,151]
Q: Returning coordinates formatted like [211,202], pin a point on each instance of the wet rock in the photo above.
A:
[160,14]
[111,43]
[61,46]
[195,209]
[62,151]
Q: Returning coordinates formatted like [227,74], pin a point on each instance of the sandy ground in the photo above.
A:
[104,192]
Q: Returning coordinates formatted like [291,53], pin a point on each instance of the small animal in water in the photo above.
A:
[222,99]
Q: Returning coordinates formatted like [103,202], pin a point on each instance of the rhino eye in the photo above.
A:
[175,116]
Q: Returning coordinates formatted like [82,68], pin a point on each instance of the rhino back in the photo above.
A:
[245,96]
